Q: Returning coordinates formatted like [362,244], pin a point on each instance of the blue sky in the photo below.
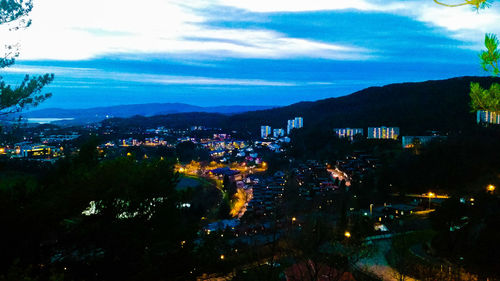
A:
[226,52]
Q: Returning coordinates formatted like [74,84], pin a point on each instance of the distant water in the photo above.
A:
[47,120]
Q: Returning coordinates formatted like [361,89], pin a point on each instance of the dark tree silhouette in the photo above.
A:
[15,14]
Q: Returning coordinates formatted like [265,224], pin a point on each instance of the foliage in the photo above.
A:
[319,247]
[13,10]
[187,151]
[490,57]
[28,93]
[485,99]
[482,98]
[468,232]
[462,163]
[136,228]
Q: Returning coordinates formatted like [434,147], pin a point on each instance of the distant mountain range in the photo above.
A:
[151,109]
[441,105]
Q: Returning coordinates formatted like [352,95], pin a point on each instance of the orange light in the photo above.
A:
[490,188]
[221,257]
[347,234]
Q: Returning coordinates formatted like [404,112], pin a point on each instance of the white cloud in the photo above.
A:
[80,30]
[310,5]
[462,22]
[95,76]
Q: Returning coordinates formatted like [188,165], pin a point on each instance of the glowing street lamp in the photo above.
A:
[294,219]
[221,257]
[430,197]
[347,234]
[490,188]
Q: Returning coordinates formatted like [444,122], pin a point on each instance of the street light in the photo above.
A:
[347,234]
[490,188]
[430,196]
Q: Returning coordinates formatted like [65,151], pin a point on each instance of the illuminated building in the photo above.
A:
[290,125]
[348,132]
[278,133]
[36,151]
[265,131]
[383,132]
[299,122]
[296,123]
[410,141]
[59,138]
[488,117]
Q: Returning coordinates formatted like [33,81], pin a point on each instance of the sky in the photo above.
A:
[241,52]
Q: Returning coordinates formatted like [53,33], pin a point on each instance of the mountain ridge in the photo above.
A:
[95,114]
[416,107]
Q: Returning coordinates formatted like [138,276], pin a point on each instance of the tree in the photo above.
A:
[29,92]
[319,249]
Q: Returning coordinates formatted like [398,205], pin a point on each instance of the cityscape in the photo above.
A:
[243,140]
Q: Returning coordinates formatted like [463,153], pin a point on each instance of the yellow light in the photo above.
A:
[431,194]
[490,188]
[294,219]
[221,257]
[129,154]
[347,234]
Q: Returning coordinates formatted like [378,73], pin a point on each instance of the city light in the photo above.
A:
[294,219]
[430,197]
[221,257]
[347,234]
[490,188]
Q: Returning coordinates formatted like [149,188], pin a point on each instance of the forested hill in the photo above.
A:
[415,107]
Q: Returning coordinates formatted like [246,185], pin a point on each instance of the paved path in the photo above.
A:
[377,264]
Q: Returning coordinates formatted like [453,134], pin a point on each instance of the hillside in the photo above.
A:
[151,109]
[415,107]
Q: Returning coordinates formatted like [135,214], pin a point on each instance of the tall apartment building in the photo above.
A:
[488,117]
[348,132]
[265,131]
[383,132]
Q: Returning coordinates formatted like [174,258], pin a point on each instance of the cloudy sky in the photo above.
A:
[248,52]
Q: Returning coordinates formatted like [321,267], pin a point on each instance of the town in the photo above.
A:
[262,192]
